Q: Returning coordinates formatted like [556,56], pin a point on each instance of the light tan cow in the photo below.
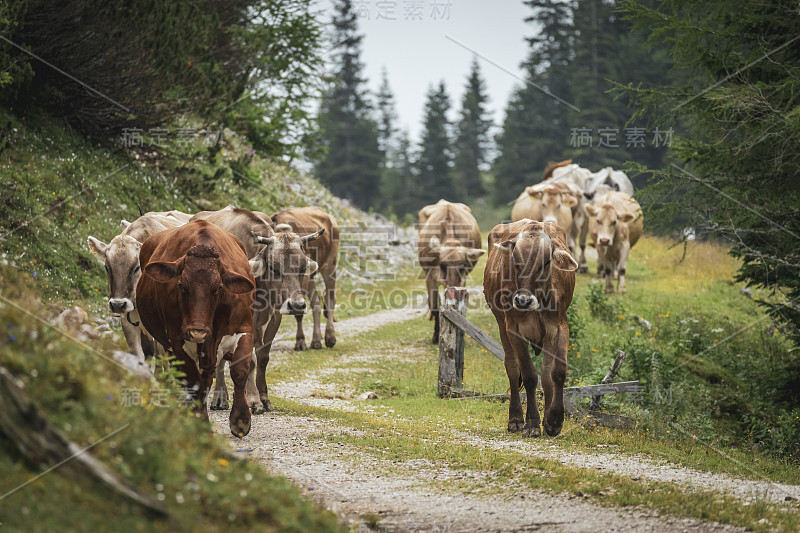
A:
[549,202]
[325,251]
[120,257]
[615,224]
[448,248]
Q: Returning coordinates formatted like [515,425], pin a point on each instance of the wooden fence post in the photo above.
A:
[451,342]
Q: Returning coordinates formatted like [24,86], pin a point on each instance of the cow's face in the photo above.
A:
[455,261]
[282,265]
[120,258]
[201,277]
[606,221]
[534,254]
[552,198]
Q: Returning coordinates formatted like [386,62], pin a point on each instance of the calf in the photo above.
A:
[195,300]
[528,284]
[449,246]
[325,251]
[615,224]
[280,266]
[120,257]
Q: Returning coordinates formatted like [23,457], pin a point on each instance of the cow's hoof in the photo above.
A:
[622,290]
[267,406]
[516,425]
[552,431]
[256,407]
[435,339]
[240,427]
[330,342]
[609,290]
[316,345]
[219,405]
[583,270]
[299,346]
[532,432]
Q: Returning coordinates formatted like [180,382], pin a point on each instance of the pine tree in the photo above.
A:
[535,128]
[387,116]
[738,163]
[352,160]
[401,190]
[434,165]
[472,137]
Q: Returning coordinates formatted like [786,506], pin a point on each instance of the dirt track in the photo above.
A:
[355,484]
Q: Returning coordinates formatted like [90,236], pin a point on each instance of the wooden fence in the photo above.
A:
[453,324]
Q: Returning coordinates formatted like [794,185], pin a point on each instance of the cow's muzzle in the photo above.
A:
[604,241]
[120,305]
[195,335]
[294,307]
[525,301]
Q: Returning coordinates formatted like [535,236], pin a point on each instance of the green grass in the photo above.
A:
[165,452]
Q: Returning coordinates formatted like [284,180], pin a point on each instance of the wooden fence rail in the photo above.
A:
[453,324]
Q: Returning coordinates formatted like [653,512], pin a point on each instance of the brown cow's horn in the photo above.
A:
[309,238]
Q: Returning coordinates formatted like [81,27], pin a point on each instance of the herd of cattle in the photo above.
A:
[214,286]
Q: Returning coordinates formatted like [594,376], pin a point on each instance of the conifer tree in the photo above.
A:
[351,163]
[472,137]
[434,165]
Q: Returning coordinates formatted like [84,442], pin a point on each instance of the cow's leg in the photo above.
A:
[329,278]
[250,389]
[219,398]
[530,379]
[316,310]
[607,269]
[554,373]
[133,334]
[583,265]
[300,337]
[516,421]
[240,368]
[262,357]
[621,265]
[432,282]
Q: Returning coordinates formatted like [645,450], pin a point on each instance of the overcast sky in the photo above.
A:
[410,39]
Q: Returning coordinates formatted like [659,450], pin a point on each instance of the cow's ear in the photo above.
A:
[162,271]
[534,193]
[124,223]
[473,254]
[563,260]
[592,210]
[505,246]
[236,283]
[311,268]
[98,249]
[626,217]
[570,200]
[257,267]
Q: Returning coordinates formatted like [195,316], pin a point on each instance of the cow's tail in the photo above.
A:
[141,213]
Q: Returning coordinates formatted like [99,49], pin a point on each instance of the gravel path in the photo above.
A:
[355,484]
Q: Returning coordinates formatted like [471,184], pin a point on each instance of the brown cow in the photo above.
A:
[615,224]
[552,165]
[325,251]
[528,284]
[194,298]
[448,247]
[279,264]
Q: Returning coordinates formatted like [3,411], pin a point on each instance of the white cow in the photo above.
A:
[121,260]
[607,180]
